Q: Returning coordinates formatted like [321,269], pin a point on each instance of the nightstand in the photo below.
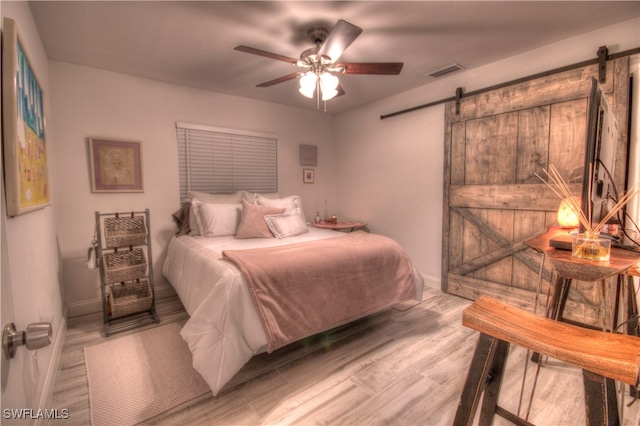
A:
[340,226]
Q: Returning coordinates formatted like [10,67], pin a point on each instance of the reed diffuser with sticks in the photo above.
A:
[588,244]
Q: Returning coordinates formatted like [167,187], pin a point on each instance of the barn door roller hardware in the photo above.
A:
[602,63]
[601,60]
[458,97]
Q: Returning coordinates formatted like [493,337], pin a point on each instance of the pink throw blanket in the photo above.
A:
[303,289]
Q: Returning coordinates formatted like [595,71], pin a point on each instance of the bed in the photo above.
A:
[239,309]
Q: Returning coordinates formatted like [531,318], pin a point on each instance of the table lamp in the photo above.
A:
[567,217]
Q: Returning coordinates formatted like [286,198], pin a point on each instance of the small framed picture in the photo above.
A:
[307,176]
[116,165]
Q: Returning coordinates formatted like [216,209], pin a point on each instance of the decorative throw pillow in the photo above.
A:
[286,225]
[292,204]
[252,223]
[181,218]
[217,220]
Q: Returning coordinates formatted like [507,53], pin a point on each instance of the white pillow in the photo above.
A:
[291,204]
[251,197]
[218,220]
[215,198]
[286,225]
[194,227]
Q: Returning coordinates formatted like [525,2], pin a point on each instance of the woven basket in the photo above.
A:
[129,298]
[124,266]
[124,231]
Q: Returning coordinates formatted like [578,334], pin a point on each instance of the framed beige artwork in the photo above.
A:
[116,165]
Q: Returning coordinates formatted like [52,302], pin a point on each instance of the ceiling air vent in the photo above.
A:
[446,70]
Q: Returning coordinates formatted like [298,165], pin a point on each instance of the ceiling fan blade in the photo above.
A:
[281,79]
[270,55]
[384,68]
[340,37]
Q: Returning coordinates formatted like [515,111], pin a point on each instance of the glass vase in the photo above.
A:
[591,247]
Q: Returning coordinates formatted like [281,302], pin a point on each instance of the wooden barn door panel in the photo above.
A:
[567,139]
[490,159]
[493,200]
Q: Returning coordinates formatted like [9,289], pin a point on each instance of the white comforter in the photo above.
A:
[224,330]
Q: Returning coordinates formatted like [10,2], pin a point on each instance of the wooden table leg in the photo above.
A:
[601,403]
[558,298]
[632,317]
[632,307]
[556,303]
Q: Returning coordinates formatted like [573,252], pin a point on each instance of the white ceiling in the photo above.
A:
[191,43]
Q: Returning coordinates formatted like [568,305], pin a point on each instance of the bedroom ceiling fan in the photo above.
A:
[319,63]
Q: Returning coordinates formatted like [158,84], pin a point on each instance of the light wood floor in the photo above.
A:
[400,367]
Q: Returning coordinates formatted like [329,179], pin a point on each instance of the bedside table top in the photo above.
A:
[339,225]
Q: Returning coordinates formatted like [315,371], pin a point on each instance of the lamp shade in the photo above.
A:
[328,85]
[308,84]
[328,81]
[329,94]
[568,212]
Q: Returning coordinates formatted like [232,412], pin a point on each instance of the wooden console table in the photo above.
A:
[622,263]
[600,393]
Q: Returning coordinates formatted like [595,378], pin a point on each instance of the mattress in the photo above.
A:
[224,329]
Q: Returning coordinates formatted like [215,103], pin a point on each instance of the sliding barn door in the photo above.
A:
[493,201]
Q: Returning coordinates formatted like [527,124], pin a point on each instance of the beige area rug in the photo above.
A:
[137,377]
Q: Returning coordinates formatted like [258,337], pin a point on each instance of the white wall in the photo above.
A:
[30,262]
[390,174]
[91,102]
[390,171]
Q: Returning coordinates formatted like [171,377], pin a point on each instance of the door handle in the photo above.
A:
[36,336]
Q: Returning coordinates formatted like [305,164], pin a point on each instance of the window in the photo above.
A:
[222,161]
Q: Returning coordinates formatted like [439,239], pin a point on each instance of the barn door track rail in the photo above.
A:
[601,61]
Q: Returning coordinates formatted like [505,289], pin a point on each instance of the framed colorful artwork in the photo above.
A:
[27,186]
[307,175]
[116,165]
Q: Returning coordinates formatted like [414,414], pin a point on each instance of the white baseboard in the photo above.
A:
[91,306]
[432,282]
[52,370]
[84,307]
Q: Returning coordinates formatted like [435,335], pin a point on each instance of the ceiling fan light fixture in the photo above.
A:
[308,84]
[328,86]
[328,81]
[329,94]
[306,92]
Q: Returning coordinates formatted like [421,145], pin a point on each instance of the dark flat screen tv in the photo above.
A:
[599,192]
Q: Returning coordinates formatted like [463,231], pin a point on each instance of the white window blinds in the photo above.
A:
[222,161]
